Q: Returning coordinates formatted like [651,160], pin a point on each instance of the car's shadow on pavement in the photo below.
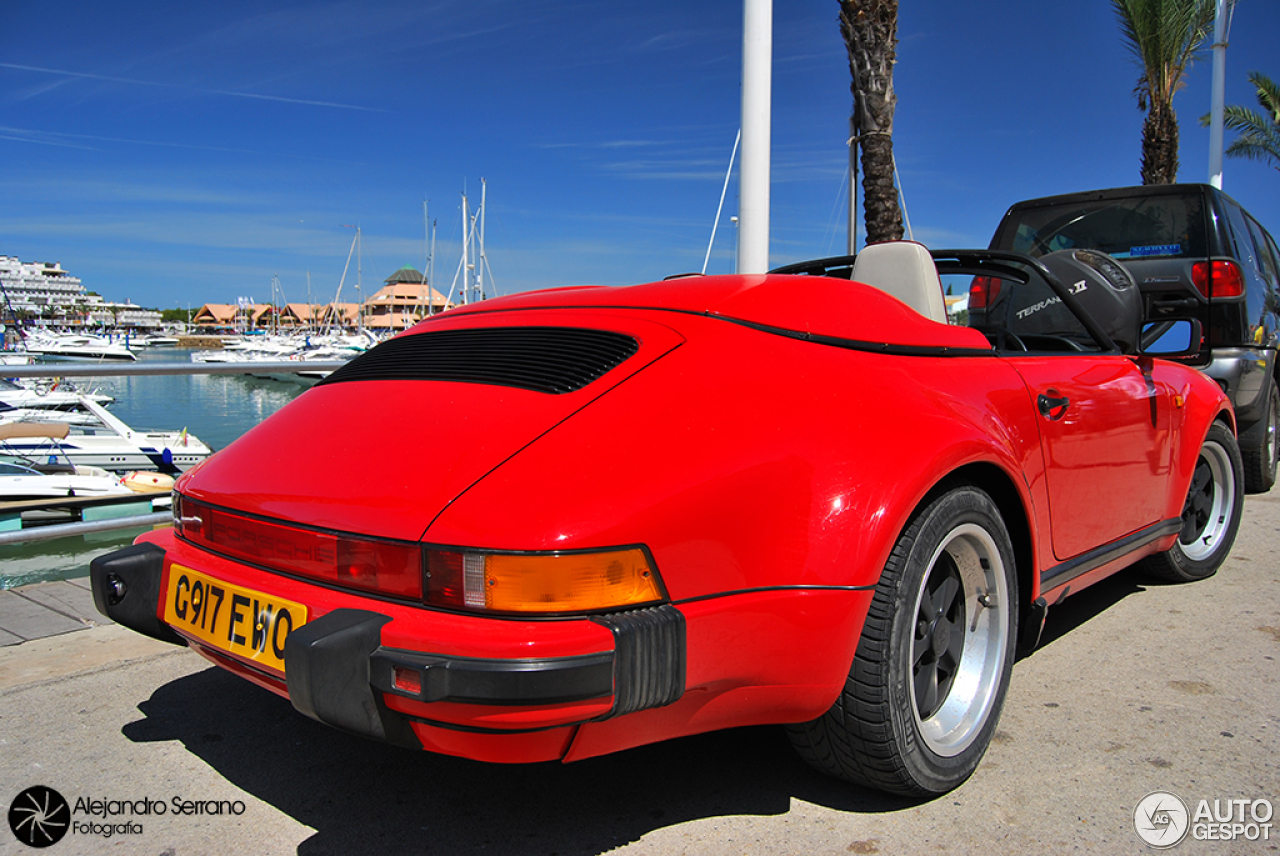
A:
[362,796]
[1080,608]
[359,795]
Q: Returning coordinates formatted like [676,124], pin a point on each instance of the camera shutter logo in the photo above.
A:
[39,816]
[1161,819]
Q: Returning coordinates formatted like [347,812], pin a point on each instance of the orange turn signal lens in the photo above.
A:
[542,582]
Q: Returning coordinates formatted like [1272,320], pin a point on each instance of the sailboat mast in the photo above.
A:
[480,260]
[466,240]
[345,268]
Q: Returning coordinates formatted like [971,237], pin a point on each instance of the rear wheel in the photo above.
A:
[1210,513]
[1260,462]
[932,667]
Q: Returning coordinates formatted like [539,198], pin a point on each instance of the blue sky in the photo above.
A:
[174,153]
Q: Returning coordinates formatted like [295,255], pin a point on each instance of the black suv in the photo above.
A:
[1193,252]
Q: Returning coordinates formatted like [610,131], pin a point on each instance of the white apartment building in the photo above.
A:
[49,295]
[38,287]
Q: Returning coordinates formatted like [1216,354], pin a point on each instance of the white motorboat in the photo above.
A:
[45,395]
[109,443]
[295,348]
[33,496]
[35,414]
[76,347]
[153,340]
[21,483]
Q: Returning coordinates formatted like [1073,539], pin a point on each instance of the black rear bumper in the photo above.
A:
[336,668]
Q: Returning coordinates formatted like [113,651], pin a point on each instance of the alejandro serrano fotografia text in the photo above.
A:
[147,807]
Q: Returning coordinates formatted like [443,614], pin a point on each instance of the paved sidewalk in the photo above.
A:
[47,609]
[1138,687]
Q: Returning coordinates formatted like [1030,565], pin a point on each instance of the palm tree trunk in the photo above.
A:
[1160,145]
[870,30]
[879,195]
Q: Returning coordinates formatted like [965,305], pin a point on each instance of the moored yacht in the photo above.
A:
[75,346]
[108,443]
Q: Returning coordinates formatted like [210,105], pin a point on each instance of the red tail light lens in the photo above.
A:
[983,291]
[1218,278]
[546,583]
[387,567]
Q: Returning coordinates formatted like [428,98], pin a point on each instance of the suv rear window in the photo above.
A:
[1136,228]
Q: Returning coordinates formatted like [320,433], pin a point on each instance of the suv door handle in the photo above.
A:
[1052,405]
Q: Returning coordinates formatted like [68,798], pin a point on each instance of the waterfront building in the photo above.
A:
[344,315]
[43,291]
[215,315]
[404,300]
[44,294]
[103,313]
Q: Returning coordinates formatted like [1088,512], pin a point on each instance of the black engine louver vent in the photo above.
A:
[543,359]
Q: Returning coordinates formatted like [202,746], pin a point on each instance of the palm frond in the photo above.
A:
[1268,94]
[1164,37]
[1258,133]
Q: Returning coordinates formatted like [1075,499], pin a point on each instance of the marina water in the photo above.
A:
[215,408]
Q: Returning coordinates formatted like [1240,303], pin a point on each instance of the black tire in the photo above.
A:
[1260,461]
[946,604]
[1210,514]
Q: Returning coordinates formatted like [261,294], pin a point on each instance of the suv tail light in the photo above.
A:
[1218,278]
[983,291]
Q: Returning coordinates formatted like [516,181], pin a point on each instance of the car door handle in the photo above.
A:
[1053,406]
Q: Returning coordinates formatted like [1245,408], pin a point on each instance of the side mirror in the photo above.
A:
[1179,337]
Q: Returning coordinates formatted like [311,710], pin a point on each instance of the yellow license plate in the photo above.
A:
[231,618]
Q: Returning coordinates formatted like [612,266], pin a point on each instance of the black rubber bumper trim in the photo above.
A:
[337,670]
[326,666]
[500,682]
[645,669]
[649,659]
[127,589]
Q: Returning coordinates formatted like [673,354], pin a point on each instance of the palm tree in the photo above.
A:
[1259,134]
[1163,36]
[870,30]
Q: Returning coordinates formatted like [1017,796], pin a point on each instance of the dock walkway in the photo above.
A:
[40,610]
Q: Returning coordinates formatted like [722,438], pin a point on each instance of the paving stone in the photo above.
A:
[27,619]
[63,597]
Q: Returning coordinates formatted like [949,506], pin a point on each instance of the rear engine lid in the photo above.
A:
[389,441]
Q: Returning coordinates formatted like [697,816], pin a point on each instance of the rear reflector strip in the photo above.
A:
[387,567]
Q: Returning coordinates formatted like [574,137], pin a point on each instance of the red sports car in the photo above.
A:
[560,524]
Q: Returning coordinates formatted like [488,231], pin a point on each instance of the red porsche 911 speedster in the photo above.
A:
[560,524]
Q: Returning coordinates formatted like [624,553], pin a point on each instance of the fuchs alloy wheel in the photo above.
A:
[1260,462]
[933,663]
[1210,513]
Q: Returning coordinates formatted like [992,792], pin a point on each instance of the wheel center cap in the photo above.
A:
[940,637]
